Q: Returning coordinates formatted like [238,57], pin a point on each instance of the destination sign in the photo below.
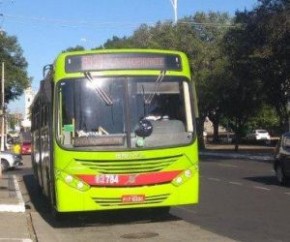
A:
[122,61]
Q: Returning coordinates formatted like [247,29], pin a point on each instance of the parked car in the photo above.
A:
[282,159]
[8,141]
[9,160]
[259,135]
[26,148]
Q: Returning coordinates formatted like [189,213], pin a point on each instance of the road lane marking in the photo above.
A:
[262,188]
[228,165]
[242,184]
[236,183]
[214,179]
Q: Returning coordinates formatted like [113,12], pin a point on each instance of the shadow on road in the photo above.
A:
[85,219]
[266,180]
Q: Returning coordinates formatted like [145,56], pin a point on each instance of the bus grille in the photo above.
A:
[129,166]
[117,201]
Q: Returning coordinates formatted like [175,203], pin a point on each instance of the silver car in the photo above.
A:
[259,135]
[9,160]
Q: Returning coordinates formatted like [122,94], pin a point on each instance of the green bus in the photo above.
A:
[115,129]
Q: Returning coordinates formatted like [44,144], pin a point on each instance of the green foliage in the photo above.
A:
[76,48]
[266,118]
[259,48]
[257,63]
[273,53]
[12,121]
[116,43]
[16,77]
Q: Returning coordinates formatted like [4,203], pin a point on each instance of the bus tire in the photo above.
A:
[51,198]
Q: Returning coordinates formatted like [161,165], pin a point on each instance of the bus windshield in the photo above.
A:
[105,113]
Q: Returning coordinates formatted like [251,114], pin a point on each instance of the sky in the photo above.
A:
[45,28]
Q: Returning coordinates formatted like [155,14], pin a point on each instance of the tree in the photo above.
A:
[242,94]
[16,77]
[273,51]
[266,118]
[256,49]
[76,48]
[259,50]
[117,43]
[209,65]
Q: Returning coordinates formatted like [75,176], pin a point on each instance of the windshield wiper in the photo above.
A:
[104,96]
[157,84]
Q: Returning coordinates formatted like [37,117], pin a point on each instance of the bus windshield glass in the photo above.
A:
[105,113]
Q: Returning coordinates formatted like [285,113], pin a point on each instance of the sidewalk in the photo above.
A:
[12,211]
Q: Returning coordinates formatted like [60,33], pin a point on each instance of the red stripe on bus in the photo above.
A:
[129,179]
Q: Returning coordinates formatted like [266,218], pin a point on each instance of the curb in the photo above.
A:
[14,190]
[238,156]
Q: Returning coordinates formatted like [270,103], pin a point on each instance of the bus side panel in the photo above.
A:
[45,160]
[36,157]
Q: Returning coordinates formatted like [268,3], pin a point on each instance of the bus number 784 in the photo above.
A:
[104,179]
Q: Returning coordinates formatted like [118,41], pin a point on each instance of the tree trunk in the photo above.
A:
[200,136]
[237,145]
[237,136]
[216,131]
[215,118]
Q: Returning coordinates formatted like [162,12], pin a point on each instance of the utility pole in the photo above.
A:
[2,116]
[174,5]
[2,108]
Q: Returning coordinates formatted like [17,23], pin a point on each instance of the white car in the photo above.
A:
[9,160]
[259,135]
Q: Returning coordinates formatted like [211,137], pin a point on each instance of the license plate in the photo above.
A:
[133,198]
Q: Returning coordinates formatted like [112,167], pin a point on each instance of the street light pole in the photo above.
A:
[174,5]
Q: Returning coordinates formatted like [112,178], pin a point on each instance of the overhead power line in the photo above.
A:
[95,24]
[67,23]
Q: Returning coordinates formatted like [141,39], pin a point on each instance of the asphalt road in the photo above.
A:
[239,200]
[242,200]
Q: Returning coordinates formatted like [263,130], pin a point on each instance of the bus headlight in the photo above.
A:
[72,181]
[184,176]
[68,179]
[178,180]
[188,173]
[80,185]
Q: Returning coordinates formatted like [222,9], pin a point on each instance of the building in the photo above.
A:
[29,95]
